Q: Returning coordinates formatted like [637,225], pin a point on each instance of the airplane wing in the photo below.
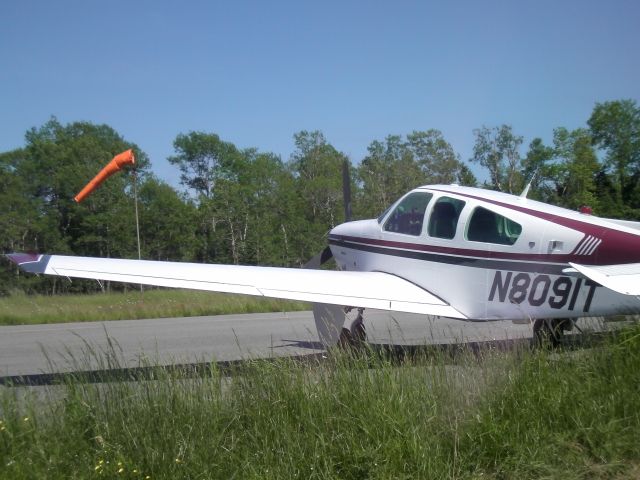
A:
[357,289]
[623,278]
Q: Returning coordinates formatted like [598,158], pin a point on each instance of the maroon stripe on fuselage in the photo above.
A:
[616,247]
[464,252]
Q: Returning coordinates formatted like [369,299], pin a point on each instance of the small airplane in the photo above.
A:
[441,250]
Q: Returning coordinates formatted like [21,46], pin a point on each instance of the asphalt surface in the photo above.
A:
[56,348]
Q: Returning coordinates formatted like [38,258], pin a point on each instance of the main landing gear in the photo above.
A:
[355,335]
[551,331]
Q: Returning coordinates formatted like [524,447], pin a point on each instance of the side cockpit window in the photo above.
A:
[444,217]
[490,227]
[408,216]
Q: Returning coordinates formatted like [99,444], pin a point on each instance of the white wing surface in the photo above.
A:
[623,278]
[357,289]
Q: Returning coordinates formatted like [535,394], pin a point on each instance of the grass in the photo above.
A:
[21,309]
[569,415]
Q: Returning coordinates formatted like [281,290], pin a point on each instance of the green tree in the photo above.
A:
[398,165]
[203,159]
[206,162]
[275,211]
[615,128]
[245,200]
[439,163]
[539,168]
[466,177]
[18,221]
[318,168]
[497,150]
[18,213]
[387,172]
[607,195]
[577,168]
[167,222]
[59,161]
[56,162]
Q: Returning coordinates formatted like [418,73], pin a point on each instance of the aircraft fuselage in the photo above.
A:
[493,255]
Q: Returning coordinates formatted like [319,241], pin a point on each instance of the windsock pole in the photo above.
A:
[135,202]
[135,199]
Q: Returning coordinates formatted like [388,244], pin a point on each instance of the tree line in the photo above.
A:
[245,206]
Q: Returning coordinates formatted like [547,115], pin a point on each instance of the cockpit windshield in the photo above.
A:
[384,214]
[408,216]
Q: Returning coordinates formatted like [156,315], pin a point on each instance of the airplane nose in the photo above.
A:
[358,228]
[346,229]
[339,229]
[336,233]
[342,235]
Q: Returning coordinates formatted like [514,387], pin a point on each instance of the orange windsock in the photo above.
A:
[115,165]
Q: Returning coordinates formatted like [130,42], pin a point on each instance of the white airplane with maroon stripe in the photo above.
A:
[442,250]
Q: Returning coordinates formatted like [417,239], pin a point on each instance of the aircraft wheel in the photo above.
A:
[542,333]
[346,339]
[550,331]
[358,331]
[356,335]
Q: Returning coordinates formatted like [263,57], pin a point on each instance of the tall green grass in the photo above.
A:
[20,309]
[488,415]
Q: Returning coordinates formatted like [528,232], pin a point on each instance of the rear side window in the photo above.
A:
[490,227]
[408,216]
[444,217]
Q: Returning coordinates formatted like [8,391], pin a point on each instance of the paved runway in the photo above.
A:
[36,349]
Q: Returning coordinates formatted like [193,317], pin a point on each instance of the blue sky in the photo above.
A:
[257,72]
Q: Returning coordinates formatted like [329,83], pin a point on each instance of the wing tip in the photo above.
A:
[30,262]
[20,258]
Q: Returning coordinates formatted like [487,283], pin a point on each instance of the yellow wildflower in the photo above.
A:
[120,470]
[26,419]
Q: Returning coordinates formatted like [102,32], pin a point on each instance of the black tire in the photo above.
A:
[353,338]
[358,332]
[549,332]
[346,339]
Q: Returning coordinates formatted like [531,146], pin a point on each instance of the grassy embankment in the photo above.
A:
[568,415]
[20,309]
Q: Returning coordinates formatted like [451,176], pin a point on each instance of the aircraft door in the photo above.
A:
[443,221]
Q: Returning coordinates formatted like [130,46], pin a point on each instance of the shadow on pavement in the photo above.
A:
[394,352]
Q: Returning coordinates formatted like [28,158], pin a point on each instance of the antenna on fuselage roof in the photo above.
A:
[525,192]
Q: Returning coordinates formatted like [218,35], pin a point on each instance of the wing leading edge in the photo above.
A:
[358,289]
[623,278]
